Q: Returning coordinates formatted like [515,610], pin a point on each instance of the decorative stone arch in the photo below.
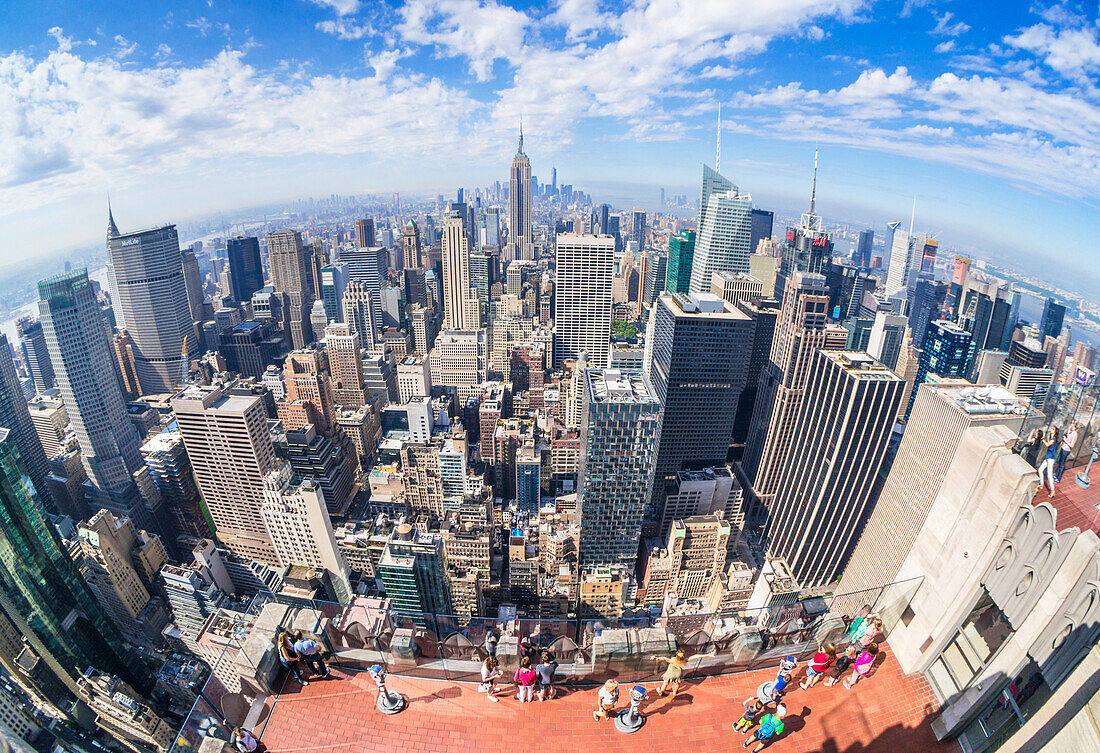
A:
[1073,630]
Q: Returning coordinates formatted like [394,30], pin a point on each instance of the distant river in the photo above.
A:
[8,327]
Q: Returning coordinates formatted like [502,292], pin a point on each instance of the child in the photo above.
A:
[244,741]
[863,665]
[783,678]
[753,707]
[607,698]
[490,672]
[546,669]
[525,676]
[842,663]
[823,659]
[872,631]
[771,727]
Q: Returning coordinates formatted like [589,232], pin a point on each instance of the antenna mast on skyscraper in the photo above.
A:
[810,220]
[718,145]
[912,217]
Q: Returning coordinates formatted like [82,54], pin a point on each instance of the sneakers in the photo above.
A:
[327,673]
[494,699]
[847,685]
[803,686]
[304,682]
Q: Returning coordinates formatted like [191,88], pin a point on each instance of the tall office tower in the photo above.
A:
[458,360]
[681,255]
[364,233]
[725,230]
[520,237]
[763,314]
[246,270]
[528,493]
[941,415]
[416,289]
[410,246]
[1028,353]
[637,228]
[292,273]
[800,330]
[528,372]
[122,350]
[77,338]
[481,277]
[959,274]
[192,281]
[885,341]
[359,313]
[808,246]
[490,241]
[108,554]
[309,395]
[926,305]
[369,266]
[413,570]
[864,247]
[334,280]
[16,418]
[603,220]
[193,595]
[696,356]
[44,596]
[836,454]
[51,422]
[145,272]
[329,463]
[620,433]
[656,268]
[414,378]
[762,222]
[948,351]
[847,287]
[906,258]
[985,307]
[711,491]
[36,355]
[734,288]
[301,530]
[1054,316]
[230,449]
[888,240]
[582,298]
[456,273]
[170,468]
[424,326]
[345,365]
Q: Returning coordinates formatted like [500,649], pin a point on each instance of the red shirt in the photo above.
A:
[822,661]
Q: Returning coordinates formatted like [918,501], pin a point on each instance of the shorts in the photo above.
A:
[811,672]
[673,674]
[543,685]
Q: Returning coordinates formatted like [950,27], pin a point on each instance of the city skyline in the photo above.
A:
[970,119]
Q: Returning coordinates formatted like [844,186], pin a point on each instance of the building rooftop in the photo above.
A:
[615,385]
[887,713]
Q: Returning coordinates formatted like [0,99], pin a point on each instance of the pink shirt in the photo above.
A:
[525,677]
[864,663]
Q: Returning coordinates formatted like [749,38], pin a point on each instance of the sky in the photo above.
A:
[987,114]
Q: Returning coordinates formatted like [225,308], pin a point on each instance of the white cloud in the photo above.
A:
[345,29]
[64,43]
[1074,53]
[126,48]
[341,7]
[582,19]
[948,46]
[944,27]
[482,31]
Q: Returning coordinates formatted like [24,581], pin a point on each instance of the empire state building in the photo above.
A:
[519,207]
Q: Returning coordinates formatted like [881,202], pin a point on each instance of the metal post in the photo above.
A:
[1083,478]
[388,703]
[631,719]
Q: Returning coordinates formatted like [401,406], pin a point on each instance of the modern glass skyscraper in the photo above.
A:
[1054,316]
[725,231]
[334,279]
[292,273]
[520,237]
[145,273]
[42,593]
[681,253]
[762,223]
[369,266]
[35,353]
[948,350]
[656,269]
[246,271]
[16,418]
[637,228]
[864,247]
[620,432]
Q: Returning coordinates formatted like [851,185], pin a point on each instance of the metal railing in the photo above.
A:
[451,648]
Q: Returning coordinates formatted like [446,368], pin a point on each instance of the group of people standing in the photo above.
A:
[1048,451]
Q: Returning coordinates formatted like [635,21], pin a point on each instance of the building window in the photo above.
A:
[982,634]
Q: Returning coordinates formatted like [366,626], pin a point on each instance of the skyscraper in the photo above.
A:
[43,595]
[620,432]
[582,298]
[836,452]
[145,272]
[192,282]
[864,247]
[76,335]
[292,273]
[345,362]
[725,231]
[413,570]
[681,253]
[16,418]
[656,268]
[364,233]
[410,246]
[948,351]
[637,228]
[925,305]
[520,237]
[906,258]
[35,353]
[246,271]
[696,354]
[800,331]
[808,248]
[762,222]
[230,448]
[456,274]
[369,266]
[334,279]
[359,313]
[1054,315]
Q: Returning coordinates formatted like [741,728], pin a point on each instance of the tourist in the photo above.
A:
[1030,449]
[490,673]
[546,669]
[863,665]
[289,658]
[823,659]
[310,652]
[771,727]
[872,632]
[244,741]
[1050,459]
[1067,445]
[606,699]
[753,707]
[525,677]
[675,672]
[783,677]
[843,661]
[491,639]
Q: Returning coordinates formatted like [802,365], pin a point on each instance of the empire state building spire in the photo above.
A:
[519,151]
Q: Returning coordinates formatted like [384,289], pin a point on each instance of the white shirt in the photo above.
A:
[246,743]
[609,697]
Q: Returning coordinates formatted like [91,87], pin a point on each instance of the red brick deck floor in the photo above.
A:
[886,712]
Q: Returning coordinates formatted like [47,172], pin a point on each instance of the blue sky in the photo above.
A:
[988,113]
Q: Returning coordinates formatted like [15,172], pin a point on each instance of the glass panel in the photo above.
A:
[961,669]
[941,679]
[986,629]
